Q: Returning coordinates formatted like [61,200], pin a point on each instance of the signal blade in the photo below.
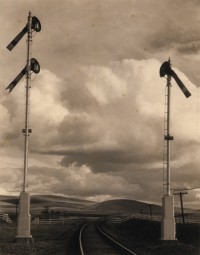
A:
[16,80]
[181,85]
[17,38]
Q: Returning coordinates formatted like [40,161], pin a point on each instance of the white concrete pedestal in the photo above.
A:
[24,218]
[168,225]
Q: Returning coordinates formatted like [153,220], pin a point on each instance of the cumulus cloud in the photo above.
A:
[97,106]
[119,121]
[123,136]
[116,137]
[72,179]
[46,110]
[104,84]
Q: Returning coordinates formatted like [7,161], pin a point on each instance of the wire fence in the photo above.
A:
[188,218]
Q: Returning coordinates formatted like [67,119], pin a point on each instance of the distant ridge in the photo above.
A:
[57,202]
[44,198]
[58,198]
[76,205]
[53,202]
[126,206]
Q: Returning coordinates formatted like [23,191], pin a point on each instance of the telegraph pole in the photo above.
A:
[181,201]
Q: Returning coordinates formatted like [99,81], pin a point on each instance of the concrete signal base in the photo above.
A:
[24,219]
[168,225]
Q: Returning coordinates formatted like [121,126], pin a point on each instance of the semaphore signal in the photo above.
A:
[35,25]
[168,220]
[165,69]
[32,65]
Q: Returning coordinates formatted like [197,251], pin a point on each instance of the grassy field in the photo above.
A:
[48,239]
[143,237]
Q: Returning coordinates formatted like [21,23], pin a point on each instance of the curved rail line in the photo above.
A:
[113,242]
[116,242]
[80,239]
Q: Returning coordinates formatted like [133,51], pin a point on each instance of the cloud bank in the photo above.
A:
[108,143]
[97,106]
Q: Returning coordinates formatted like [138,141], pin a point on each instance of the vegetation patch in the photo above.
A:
[143,237]
[47,239]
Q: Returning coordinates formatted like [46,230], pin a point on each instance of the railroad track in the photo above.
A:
[94,241]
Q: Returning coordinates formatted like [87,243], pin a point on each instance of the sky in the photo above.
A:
[97,105]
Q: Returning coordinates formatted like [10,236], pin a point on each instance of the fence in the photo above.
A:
[189,218]
[63,221]
[5,218]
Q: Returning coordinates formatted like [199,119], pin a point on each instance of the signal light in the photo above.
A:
[36,25]
[35,67]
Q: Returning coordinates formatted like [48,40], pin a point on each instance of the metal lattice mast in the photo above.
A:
[26,130]
[167,139]
[165,144]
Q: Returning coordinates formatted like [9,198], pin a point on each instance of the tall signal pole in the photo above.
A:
[168,220]
[26,131]
[168,226]
[168,137]
[24,217]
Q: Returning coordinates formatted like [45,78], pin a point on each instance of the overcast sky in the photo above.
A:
[97,106]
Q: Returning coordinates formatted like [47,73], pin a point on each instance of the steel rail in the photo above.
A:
[80,237]
[116,242]
[107,236]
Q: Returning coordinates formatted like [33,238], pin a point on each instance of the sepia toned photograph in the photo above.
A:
[100,127]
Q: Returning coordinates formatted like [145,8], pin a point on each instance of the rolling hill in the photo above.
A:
[8,204]
[126,206]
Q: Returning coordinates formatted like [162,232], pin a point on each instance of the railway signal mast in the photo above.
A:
[32,65]
[168,221]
